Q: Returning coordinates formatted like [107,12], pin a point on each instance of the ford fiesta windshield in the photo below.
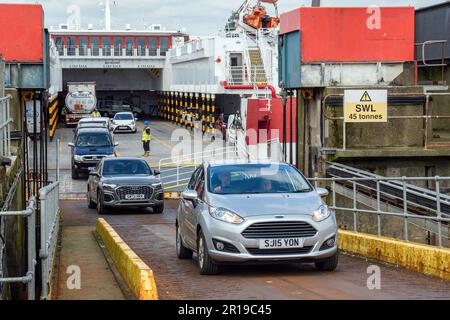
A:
[257,178]
[125,167]
[91,139]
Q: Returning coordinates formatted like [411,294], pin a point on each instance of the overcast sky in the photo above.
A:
[199,17]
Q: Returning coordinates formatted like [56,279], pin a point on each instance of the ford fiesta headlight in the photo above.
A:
[322,213]
[225,215]
[78,158]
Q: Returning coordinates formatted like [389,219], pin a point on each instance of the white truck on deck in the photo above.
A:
[81,100]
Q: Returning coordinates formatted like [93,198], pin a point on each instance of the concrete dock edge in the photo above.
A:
[422,258]
[138,276]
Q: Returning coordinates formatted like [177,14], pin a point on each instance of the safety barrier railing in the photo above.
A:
[30,278]
[424,61]
[177,170]
[392,197]
[275,150]
[243,75]
[426,117]
[5,126]
[111,51]
[49,199]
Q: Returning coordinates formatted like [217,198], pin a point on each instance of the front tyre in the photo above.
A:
[205,263]
[91,204]
[330,264]
[100,206]
[75,174]
[182,251]
[158,209]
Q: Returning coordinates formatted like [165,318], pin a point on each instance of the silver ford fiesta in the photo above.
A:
[254,212]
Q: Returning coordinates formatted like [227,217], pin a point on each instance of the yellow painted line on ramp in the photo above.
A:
[176,186]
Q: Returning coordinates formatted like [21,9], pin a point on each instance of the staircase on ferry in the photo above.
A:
[257,71]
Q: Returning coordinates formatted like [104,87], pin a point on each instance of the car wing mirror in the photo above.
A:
[71,145]
[94,173]
[156,172]
[191,195]
[322,192]
[116,144]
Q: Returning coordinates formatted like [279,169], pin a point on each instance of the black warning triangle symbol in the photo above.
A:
[366,97]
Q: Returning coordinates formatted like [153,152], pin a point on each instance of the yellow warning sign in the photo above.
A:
[365,106]
[366,97]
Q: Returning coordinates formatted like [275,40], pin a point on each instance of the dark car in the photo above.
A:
[125,182]
[89,146]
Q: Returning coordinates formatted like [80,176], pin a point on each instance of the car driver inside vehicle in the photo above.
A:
[224,181]
[266,185]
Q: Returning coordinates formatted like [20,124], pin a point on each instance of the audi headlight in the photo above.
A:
[109,185]
[225,215]
[322,213]
[78,158]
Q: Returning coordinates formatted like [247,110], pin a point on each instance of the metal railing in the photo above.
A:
[424,61]
[49,198]
[177,171]
[426,117]
[243,75]
[30,278]
[275,150]
[110,51]
[390,196]
[49,229]
[5,126]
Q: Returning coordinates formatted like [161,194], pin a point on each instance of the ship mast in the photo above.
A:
[107,16]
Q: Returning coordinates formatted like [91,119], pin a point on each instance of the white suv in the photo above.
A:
[124,121]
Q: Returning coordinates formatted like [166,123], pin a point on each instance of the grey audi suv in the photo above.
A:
[124,182]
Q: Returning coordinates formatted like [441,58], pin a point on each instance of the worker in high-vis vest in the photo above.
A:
[146,138]
[95,114]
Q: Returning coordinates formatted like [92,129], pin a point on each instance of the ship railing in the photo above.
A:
[111,51]
[5,126]
[244,75]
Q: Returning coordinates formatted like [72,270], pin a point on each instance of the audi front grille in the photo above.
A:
[122,192]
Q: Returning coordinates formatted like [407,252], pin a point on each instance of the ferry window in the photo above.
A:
[163,45]
[59,42]
[117,46]
[82,45]
[70,46]
[95,44]
[106,45]
[129,42]
[152,46]
[141,46]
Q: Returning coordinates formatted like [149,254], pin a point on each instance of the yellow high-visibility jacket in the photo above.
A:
[96,114]
[145,136]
